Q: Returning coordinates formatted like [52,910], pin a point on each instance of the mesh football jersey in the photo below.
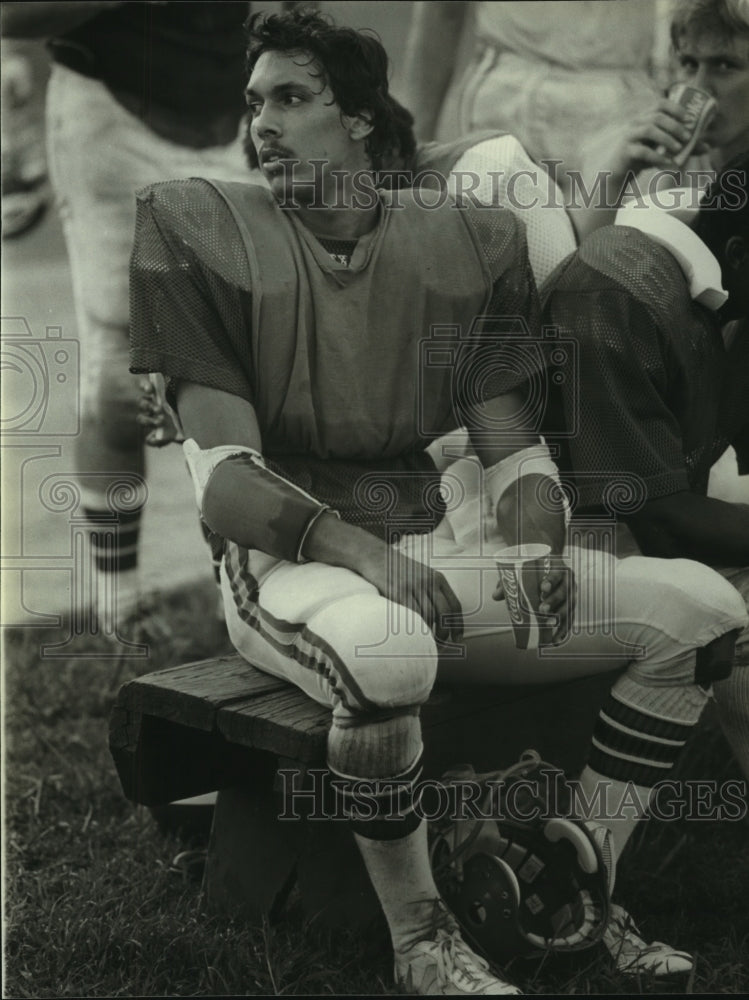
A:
[491,168]
[231,292]
[509,177]
[656,395]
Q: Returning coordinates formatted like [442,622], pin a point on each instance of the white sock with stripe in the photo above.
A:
[115,587]
[640,733]
[385,754]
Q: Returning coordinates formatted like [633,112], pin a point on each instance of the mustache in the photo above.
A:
[250,151]
[274,150]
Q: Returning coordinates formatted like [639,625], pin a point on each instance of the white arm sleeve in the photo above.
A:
[534,460]
[202,461]
[527,190]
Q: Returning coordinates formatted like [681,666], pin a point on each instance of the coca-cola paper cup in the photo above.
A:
[521,570]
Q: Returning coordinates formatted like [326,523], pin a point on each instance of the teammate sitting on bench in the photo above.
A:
[294,328]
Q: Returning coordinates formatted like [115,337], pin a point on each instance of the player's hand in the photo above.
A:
[417,587]
[651,139]
[156,416]
[656,136]
[558,597]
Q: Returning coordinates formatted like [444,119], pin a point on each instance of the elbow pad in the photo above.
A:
[239,498]
[534,460]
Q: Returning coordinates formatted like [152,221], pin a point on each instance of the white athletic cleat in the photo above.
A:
[446,966]
[632,955]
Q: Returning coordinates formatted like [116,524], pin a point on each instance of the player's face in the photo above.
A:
[721,67]
[294,117]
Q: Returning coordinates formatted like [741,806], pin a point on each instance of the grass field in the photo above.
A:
[94,907]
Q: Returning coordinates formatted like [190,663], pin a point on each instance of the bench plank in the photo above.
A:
[191,693]
[287,723]
[178,732]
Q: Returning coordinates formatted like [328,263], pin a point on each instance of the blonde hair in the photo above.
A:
[725,18]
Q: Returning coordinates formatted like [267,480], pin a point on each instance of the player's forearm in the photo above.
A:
[690,526]
[594,202]
[249,504]
[430,57]
[521,479]
[41,20]
[530,511]
[338,543]
[238,496]
[258,509]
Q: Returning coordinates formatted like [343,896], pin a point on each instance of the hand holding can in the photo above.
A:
[699,107]
[522,569]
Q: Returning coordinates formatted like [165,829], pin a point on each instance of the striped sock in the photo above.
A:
[114,543]
[114,554]
[640,733]
[641,730]
[376,745]
[378,756]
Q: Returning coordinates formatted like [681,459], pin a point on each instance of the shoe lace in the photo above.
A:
[457,962]
[623,937]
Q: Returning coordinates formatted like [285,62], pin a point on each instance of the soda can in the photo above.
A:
[700,108]
[521,570]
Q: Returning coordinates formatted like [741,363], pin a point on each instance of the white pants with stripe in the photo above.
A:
[329,631]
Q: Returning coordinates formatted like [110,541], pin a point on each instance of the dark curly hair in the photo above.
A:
[353,64]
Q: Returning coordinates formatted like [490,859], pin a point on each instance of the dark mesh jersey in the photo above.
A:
[231,292]
[656,394]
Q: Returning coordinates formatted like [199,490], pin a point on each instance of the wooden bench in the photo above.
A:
[222,724]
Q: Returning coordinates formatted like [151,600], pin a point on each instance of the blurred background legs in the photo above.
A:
[24,68]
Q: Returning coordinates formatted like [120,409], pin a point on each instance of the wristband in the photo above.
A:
[534,460]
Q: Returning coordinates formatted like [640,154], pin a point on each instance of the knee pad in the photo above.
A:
[711,662]
[679,606]
[711,604]
[387,657]
[375,766]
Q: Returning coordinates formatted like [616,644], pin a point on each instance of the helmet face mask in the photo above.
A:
[520,887]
